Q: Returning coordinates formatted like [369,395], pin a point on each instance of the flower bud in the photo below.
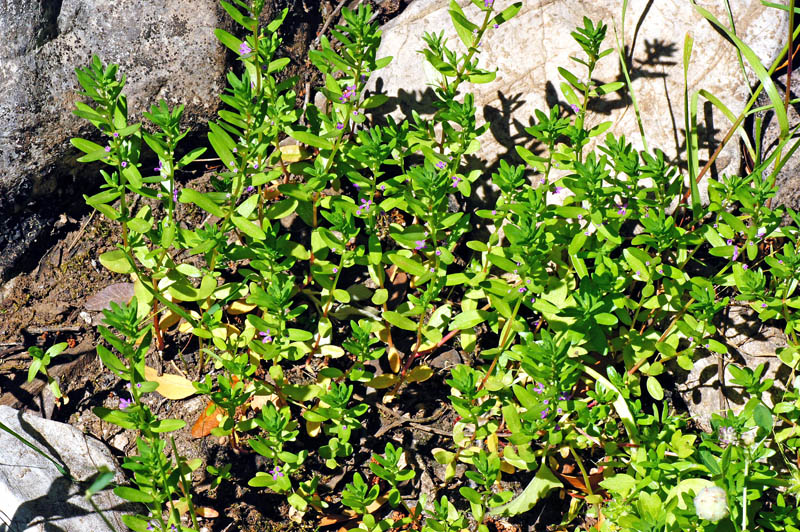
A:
[711,504]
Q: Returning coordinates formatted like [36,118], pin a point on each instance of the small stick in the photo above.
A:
[42,330]
[328,21]
[80,232]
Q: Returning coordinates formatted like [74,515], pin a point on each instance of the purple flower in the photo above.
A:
[276,472]
[495,26]
[545,412]
[729,242]
[160,166]
[175,195]
[745,266]
[440,165]
[763,305]
[521,289]
[339,125]
[244,49]
[124,403]
[335,269]
[255,166]
[108,149]
[621,210]
[124,164]
[580,217]
[494,212]
[159,195]
[419,244]
[780,261]
[115,135]
[438,252]
[546,401]
[250,188]
[456,181]
[735,252]
[575,108]
[539,388]
[265,336]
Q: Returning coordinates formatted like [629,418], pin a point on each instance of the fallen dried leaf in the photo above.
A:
[117,293]
[170,386]
[207,422]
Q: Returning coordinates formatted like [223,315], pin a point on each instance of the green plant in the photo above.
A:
[587,305]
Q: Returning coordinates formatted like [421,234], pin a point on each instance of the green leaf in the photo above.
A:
[380,296]
[117,417]
[281,209]
[133,495]
[310,139]
[463,26]
[168,425]
[375,100]
[87,146]
[468,319]
[572,79]
[654,389]
[399,321]
[116,261]
[190,195]
[507,14]
[249,228]
[537,489]
[407,264]
[619,483]
[189,157]
[228,40]
[763,417]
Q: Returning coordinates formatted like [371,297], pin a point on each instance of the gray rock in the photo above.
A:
[528,50]
[750,343]
[166,48]
[34,496]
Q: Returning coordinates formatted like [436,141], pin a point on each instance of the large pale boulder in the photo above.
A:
[167,49]
[34,496]
[528,50]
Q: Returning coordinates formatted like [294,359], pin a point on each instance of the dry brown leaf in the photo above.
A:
[313,428]
[240,306]
[169,385]
[117,292]
[207,422]
[394,359]
[383,381]
[419,374]
[259,401]
[168,320]
[208,513]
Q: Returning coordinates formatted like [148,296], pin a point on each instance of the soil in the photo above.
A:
[49,301]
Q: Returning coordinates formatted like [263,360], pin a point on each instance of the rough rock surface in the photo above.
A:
[167,49]
[750,343]
[528,50]
[34,496]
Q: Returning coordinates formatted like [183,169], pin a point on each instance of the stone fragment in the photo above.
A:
[34,496]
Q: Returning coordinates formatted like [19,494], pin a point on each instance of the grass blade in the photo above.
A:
[758,68]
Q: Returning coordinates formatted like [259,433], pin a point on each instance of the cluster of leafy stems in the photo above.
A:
[586,299]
